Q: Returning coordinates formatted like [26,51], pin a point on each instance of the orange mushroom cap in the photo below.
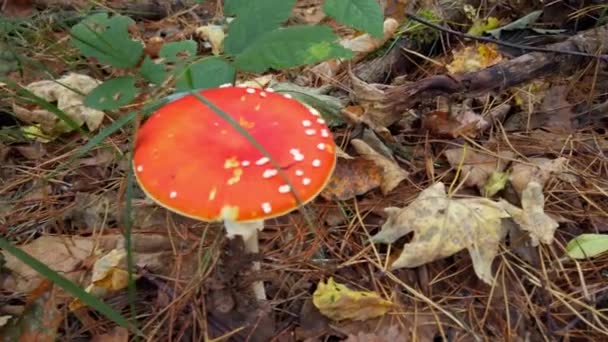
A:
[190,160]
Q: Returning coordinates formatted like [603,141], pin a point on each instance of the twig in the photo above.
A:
[500,42]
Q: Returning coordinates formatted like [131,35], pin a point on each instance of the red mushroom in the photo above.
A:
[191,161]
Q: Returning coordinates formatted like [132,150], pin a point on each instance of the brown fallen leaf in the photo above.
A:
[352,177]
[443,226]
[68,255]
[338,302]
[41,318]
[368,97]
[392,173]
[477,166]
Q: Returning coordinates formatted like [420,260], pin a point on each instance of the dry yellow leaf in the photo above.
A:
[474,58]
[338,302]
[443,226]
[109,274]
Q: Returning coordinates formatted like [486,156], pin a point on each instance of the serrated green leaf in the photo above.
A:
[364,15]
[207,73]
[178,51]
[587,246]
[152,72]
[107,40]
[112,94]
[290,47]
[255,18]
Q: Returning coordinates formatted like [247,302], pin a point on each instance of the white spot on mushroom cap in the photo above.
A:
[297,155]
[262,161]
[299,173]
[314,111]
[306,181]
[266,207]
[321,146]
[270,90]
[321,121]
[269,173]
[284,189]
[225,85]
[245,163]
[287,96]
[310,131]
[140,168]
[324,133]
[250,91]
[306,123]
[262,94]
[173,194]
[316,163]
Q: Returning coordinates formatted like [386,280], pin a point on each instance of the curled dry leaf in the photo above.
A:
[109,275]
[477,167]
[532,217]
[369,96]
[214,34]
[392,174]
[338,302]
[536,170]
[68,101]
[352,177]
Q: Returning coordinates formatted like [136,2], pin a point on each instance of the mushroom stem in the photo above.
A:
[249,232]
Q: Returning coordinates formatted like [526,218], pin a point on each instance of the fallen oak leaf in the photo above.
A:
[352,177]
[537,170]
[338,302]
[443,226]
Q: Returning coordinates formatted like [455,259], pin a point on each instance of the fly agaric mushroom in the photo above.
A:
[191,161]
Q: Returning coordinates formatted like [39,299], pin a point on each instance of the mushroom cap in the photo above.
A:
[191,161]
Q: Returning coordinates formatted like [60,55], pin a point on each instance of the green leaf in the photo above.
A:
[152,72]
[364,15]
[65,283]
[291,47]
[178,51]
[587,246]
[328,106]
[207,73]
[112,94]
[234,7]
[107,39]
[254,18]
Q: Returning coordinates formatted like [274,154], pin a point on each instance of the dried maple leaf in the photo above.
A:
[532,217]
[338,302]
[443,226]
